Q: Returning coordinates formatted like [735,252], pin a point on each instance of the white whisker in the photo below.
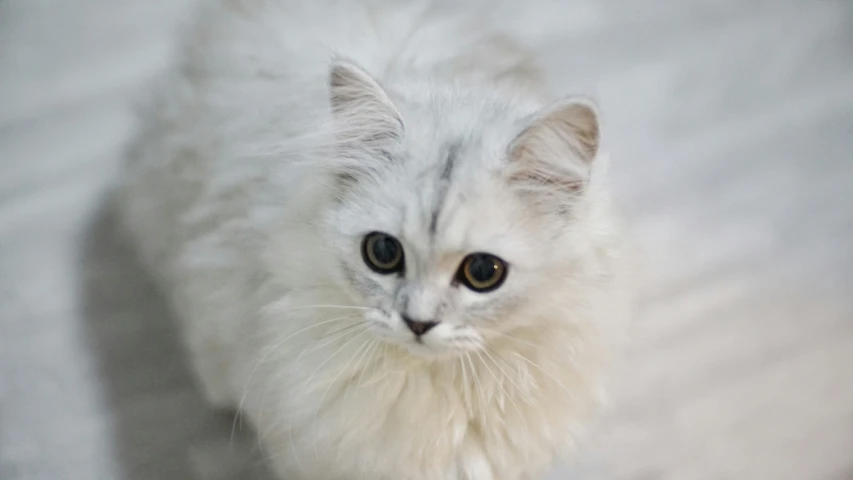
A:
[369,356]
[340,373]
[329,339]
[511,337]
[465,393]
[349,307]
[522,391]
[505,393]
[365,355]
[337,336]
[549,374]
[478,387]
[307,383]
[263,358]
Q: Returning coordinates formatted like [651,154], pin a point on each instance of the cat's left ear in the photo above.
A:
[362,108]
[558,145]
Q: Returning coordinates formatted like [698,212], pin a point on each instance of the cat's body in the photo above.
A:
[259,171]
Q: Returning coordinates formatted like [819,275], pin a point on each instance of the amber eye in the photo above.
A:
[382,253]
[482,272]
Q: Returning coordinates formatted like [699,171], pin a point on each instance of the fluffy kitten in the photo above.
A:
[383,245]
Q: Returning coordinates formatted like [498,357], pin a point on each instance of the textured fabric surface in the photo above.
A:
[731,124]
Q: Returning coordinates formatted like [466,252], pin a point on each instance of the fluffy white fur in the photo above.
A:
[286,132]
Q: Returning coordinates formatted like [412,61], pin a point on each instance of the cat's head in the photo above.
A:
[459,217]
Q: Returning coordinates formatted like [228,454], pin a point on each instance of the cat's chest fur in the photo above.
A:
[355,406]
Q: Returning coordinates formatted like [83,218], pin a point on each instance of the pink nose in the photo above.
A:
[419,328]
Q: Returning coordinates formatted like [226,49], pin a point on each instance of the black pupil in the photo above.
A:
[482,268]
[385,250]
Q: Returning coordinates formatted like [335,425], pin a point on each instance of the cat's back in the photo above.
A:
[245,82]
[295,40]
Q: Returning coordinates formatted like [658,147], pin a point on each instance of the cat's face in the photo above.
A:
[451,235]
[440,262]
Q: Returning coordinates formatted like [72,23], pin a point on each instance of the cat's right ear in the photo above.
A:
[557,147]
[361,107]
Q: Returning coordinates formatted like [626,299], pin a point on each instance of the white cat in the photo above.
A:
[384,246]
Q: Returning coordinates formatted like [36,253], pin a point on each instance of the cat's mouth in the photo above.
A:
[430,353]
[433,343]
[421,349]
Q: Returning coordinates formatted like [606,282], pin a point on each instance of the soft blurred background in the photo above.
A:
[731,123]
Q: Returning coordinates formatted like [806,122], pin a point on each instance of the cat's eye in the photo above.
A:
[482,272]
[382,253]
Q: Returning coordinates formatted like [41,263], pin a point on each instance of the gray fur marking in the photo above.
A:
[444,182]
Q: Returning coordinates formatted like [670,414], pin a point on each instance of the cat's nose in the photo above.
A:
[418,327]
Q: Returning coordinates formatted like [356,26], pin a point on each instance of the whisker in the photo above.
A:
[350,307]
[341,372]
[511,337]
[312,326]
[478,387]
[506,394]
[465,392]
[313,287]
[498,381]
[263,358]
[549,374]
[330,338]
[307,383]
[337,337]
[522,391]
[366,354]
[238,417]
[369,355]
[317,370]
[386,371]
